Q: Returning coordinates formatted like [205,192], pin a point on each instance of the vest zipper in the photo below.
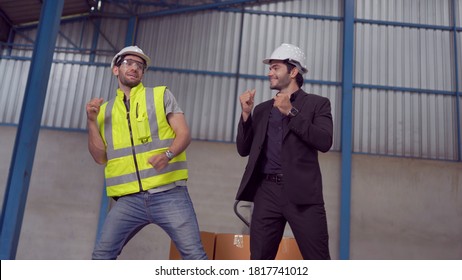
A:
[127,106]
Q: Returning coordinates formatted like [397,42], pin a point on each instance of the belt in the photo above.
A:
[276,178]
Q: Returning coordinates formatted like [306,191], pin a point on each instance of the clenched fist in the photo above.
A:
[247,102]
[93,108]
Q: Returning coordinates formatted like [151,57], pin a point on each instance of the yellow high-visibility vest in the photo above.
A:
[131,138]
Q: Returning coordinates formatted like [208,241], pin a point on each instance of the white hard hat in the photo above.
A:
[289,52]
[133,50]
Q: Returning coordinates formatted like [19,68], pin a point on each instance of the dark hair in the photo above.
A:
[299,77]
[119,60]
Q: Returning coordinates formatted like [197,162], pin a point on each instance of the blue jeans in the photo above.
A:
[172,210]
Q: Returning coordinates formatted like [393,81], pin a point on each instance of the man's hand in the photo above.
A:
[247,102]
[282,102]
[96,145]
[93,108]
[159,161]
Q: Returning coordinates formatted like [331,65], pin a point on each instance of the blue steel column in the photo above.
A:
[131,31]
[456,74]
[28,129]
[94,43]
[347,118]
[238,74]
[104,205]
[103,210]
[105,200]
[11,40]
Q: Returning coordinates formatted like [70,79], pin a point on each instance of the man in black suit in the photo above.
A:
[282,178]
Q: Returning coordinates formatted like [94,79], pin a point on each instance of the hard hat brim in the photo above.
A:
[302,69]
[143,56]
[137,53]
[267,60]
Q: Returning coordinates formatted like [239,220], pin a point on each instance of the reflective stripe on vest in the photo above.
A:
[146,107]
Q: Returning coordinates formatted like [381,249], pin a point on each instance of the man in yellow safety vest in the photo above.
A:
[141,136]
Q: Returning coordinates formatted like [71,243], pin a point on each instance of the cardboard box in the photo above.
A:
[288,250]
[237,247]
[230,246]
[208,241]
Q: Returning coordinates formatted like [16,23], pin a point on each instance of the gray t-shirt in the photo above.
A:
[170,104]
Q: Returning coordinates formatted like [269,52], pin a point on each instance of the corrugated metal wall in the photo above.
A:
[202,49]
[405,100]
[431,12]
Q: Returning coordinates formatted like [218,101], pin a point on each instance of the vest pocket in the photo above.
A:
[142,126]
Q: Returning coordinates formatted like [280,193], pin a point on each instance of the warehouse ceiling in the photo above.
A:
[16,13]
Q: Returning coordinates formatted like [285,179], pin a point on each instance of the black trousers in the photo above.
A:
[272,210]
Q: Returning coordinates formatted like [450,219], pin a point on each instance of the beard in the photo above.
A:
[280,84]
[277,87]
[127,82]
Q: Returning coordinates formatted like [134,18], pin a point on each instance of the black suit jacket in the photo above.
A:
[309,131]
